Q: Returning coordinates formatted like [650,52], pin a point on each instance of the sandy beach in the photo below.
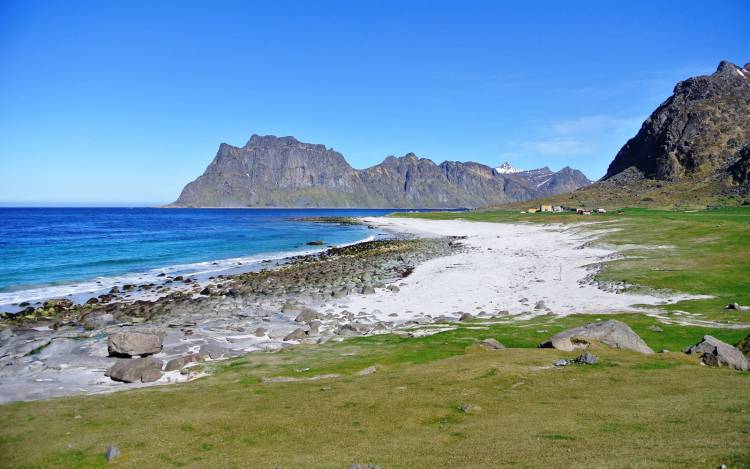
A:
[510,269]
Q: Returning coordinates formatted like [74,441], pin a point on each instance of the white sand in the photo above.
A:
[508,267]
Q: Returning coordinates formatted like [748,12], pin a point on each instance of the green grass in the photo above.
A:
[629,410]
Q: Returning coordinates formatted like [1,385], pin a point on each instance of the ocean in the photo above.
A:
[58,252]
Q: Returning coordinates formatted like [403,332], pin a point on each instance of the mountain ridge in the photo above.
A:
[270,171]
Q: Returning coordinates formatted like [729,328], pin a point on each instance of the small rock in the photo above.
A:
[655,329]
[466,317]
[586,358]
[491,344]
[307,315]
[394,288]
[540,305]
[111,453]
[367,371]
[368,290]
[297,334]
[261,332]
[179,362]
[560,362]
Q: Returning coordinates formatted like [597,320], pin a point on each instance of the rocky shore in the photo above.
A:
[112,342]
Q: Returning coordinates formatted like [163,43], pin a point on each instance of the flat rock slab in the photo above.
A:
[613,333]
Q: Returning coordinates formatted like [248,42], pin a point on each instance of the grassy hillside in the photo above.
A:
[693,194]
[441,401]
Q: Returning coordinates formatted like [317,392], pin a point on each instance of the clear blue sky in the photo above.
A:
[125,102]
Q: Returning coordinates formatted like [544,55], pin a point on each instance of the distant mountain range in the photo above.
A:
[274,171]
[693,150]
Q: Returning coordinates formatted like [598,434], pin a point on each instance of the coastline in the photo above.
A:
[432,272]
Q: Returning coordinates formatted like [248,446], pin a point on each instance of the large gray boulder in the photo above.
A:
[133,343]
[717,353]
[139,369]
[614,333]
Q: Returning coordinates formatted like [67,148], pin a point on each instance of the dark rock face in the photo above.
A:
[283,172]
[701,132]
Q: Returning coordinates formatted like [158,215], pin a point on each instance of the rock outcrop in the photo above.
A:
[613,333]
[702,132]
[714,352]
[284,172]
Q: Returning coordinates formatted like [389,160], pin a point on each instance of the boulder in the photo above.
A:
[139,369]
[98,319]
[297,334]
[290,308]
[139,342]
[179,362]
[368,290]
[717,353]
[307,315]
[261,332]
[111,453]
[613,333]
[491,344]
[393,288]
[586,358]
[744,346]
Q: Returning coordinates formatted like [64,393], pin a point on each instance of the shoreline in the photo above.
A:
[202,273]
[438,272]
[67,352]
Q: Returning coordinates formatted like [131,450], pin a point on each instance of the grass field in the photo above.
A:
[441,401]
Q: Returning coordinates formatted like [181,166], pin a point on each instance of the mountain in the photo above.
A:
[274,171]
[507,168]
[693,150]
[552,183]
[701,133]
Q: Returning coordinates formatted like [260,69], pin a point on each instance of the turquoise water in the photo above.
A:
[54,252]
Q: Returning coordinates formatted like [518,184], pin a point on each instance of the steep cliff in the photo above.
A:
[283,172]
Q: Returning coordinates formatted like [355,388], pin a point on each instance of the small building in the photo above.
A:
[583,211]
[545,208]
[533,210]
[601,210]
[557,208]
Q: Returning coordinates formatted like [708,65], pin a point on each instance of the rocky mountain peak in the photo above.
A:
[506,168]
[698,133]
[272,171]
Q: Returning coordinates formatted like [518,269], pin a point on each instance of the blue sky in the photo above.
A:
[125,102]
